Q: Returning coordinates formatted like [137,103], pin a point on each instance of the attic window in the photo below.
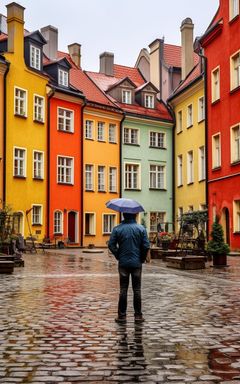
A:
[149,101]
[126,96]
[63,77]
[35,57]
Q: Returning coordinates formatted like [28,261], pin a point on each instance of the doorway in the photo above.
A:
[72,227]
[226,225]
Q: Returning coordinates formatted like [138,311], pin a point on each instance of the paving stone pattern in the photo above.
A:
[57,323]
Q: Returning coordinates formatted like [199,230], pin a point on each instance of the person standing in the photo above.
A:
[129,244]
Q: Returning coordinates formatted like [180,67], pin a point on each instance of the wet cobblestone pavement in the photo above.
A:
[57,324]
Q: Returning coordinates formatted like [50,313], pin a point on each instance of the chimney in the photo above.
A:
[50,34]
[75,53]
[106,63]
[156,57]
[187,27]
[15,28]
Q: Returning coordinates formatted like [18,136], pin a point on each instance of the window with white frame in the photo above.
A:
[179,170]
[36,215]
[65,170]
[112,179]
[157,219]
[35,57]
[89,186]
[19,162]
[149,101]
[201,109]
[37,165]
[216,84]
[190,178]
[126,96]
[65,120]
[112,133]
[235,147]
[179,122]
[63,77]
[132,177]
[90,224]
[101,131]
[109,221]
[38,108]
[101,178]
[157,176]
[131,136]
[58,222]
[216,151]
[201,163]
[236,215]
[233,8]
[189,116]
[89,129]
[20,101]
[235,70]
[157,139]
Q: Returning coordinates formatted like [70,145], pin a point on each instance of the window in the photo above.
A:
[179,171]
[131,136]
[190,208]
[38,108]
[126,97]
[216,151]
[112,134]
[235,71]
[132,176]
[112,179]
[90,224]
[215,84]
[89,177]
[234,8]
[108,223]
[36,215]
[179,122]
[189,116]
[65,170]
[101,131]
[35,57]
[201,109]
[149,101]
[20,102]
[157,176]
[190,167]
[63,77]
[58,222]
[157,139]
[201,163]
[101,178]
[89,129]
[65,120]
[235,148]
[19,162]
[157,219]
[236,215]
[37,165]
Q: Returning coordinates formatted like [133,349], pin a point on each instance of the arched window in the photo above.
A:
[58,222]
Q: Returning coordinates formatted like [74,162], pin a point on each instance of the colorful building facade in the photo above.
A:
[3,73]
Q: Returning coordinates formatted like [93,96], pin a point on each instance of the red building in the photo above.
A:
[221,47]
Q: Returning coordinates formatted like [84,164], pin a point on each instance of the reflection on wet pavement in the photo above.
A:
[57,324]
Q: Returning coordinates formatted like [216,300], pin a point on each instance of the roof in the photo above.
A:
[121,71]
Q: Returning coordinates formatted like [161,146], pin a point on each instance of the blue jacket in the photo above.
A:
[129,244]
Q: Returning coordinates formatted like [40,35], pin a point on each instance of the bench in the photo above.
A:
[186,262]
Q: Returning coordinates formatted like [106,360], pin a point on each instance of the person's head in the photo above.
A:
[129,216]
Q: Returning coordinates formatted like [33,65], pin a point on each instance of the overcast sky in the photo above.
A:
[119,26]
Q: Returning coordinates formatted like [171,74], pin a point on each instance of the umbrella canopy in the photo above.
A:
[125,205]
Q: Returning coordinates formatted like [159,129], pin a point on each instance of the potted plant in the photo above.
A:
[216,247]
[165,239]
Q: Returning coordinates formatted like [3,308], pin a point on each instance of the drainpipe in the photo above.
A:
[82,170]
[5,133]
[120,159]
[173,162]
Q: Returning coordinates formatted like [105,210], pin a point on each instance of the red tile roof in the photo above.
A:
[192,76]
[121,71]
[172,55]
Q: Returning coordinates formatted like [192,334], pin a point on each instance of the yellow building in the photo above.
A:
[26,125]
[3,73]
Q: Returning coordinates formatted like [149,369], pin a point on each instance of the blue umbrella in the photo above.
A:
[125,205]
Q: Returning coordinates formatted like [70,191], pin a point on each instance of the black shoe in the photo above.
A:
[121,319]
[139,319]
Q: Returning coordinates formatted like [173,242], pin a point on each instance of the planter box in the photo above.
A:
[219,260]
[6,266]
[186,262]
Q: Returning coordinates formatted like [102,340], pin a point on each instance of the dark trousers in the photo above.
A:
[136,276]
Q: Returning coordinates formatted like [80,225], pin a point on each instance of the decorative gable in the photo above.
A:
[146,95]
[59,72]
[33,50]
[123,91]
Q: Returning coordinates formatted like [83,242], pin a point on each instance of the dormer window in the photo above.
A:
[126,96]
[149,101]
[35,57]
[63,77]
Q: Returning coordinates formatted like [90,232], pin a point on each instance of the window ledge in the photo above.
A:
[233,19]
[107,234]
[21,116]
[113,192]
[19,177]
[37,225]
[234,90]
[112,142]
[132,189]
[39,121]
[134,145]
[69,184]
[237,162]
[201,180]
[157,189]
[216,168]
[88,138]
[102,191]
[201,121]
[38,178]
[151,146]
[216,101]
[180,186]
[191,183]
[89,190]
[89,234]
[189,126]
[65,131]
[178,133]
[101,141]
[236,233]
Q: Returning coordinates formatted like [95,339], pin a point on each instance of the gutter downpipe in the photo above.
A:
[173,162]
[81,178]
[120,159]
[5,133]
